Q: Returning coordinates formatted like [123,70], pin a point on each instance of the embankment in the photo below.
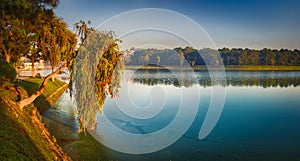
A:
[23,136]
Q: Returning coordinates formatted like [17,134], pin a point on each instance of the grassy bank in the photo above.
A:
[227,68]
[43,101]
[22,134]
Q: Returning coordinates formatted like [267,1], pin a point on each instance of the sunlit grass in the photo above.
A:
[20,139]
[33,83]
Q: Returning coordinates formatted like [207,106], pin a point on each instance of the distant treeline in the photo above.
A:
[235,56]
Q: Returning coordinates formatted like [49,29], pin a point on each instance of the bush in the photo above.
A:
[7,71]
[38,75]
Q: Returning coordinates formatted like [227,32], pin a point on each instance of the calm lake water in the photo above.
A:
[260,119]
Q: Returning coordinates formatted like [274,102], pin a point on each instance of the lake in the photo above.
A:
[161,113]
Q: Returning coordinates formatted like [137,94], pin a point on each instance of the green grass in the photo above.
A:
[33,83]
[18,142]
[86,148]
[20,137]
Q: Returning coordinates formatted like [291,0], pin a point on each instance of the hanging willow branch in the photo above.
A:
[95,75]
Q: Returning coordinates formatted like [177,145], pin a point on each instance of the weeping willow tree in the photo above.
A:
[96,73]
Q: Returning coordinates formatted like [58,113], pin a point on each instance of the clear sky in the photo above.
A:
[233,23]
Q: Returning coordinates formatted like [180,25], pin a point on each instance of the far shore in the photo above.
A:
[227,68]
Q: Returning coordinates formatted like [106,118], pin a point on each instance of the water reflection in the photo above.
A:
[264,79]
[60,119]
[256,123]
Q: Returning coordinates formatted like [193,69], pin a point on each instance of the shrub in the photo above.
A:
[7,71]
[38,75]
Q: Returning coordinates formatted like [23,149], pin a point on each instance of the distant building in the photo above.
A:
[37,65]
[127,54]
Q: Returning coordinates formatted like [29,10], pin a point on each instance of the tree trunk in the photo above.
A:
[52,79]
[7,57]
[37,93]
[32,65]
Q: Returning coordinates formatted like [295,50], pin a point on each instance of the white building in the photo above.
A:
[37,65]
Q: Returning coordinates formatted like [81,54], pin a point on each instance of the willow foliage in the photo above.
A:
[95,75]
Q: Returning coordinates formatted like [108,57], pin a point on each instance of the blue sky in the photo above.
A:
[233,23]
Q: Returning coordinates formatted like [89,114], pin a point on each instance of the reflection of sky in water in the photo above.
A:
[60,118]
[256,123]
[238,97]
[140,96]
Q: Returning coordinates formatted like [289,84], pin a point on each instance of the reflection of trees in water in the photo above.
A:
[265,81]
[152,77]
[187,79]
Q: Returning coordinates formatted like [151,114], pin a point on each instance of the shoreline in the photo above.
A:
[227,68]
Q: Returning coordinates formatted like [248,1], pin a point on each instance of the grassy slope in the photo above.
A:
[86,148]
[22,135]
[33,84]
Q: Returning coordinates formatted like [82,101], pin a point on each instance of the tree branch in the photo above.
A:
[37,93]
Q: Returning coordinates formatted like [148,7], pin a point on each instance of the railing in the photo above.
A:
[23,74]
